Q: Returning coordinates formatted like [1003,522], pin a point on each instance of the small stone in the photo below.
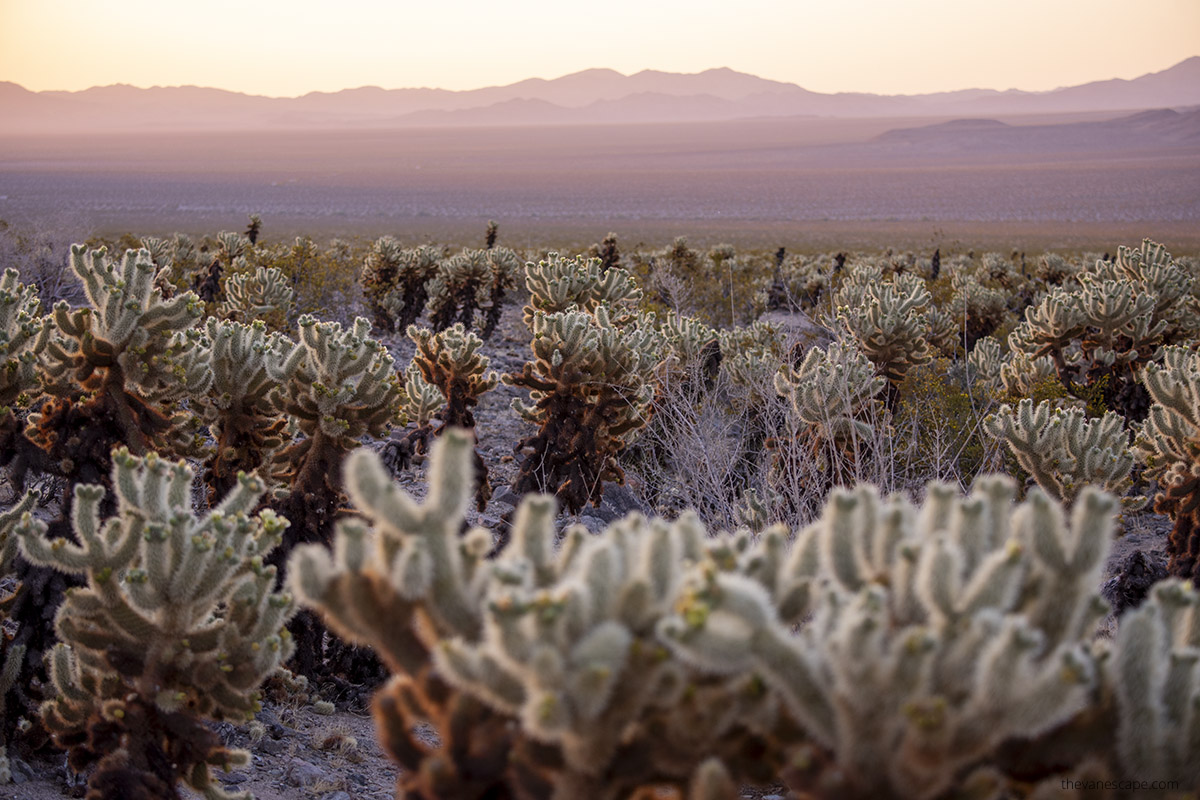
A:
[235,777]
[593,524]
[271,747]
[302,773]
[339,795]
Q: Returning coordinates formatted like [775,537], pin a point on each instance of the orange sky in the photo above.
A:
[886,46]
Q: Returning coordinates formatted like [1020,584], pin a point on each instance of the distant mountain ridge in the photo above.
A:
[594,96]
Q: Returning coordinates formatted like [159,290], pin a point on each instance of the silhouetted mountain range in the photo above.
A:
[596,96]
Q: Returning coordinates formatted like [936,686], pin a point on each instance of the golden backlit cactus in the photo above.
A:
[338,386]
[265,295]
[23,334]
[560,283]
[461,287]
[887,318]
[1101,331]
[833,394]
[176,623]
[243,407]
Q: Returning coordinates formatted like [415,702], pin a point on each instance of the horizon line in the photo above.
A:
[581,72]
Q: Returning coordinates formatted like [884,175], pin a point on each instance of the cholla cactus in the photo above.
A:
[116,368]
[1063,450]
[450,361]
[22,339]
[1055,270]
[11,655]
[833,395]
[405,301]
[977,310]
[507,268]
[420,401]
[693,352]
[461,286]
[177,623]
[750,357]
[230,247]
[945,639]
[265,295]
[887,319]
[987,361]
[563,642]
[1021,375]
[560,283]
[800,282]
[1102,332]
[338,386]
[1169,446]
[1152,270]
[892,651]
[242,409]
[590,393]
[379,276]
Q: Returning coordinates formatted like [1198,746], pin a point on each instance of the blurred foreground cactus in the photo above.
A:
[888,650]
[176,624]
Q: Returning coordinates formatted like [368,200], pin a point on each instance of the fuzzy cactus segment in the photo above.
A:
[450,360]
[939,633]
[833,394]
[887,650]
[23,335]
[176,623]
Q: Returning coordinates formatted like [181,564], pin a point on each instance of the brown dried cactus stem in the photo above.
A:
[78,434]
[144,754]
[450,362]
[1181,502]
[20,456]
[570,457]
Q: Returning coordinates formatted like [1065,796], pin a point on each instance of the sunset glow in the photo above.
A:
[882,46]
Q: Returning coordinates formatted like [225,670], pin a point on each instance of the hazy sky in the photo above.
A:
[289,47]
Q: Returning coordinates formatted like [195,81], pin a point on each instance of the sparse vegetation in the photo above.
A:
[929,637]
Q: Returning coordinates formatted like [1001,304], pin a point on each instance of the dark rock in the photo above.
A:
[616,502]
[302,773]
[1132,581]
